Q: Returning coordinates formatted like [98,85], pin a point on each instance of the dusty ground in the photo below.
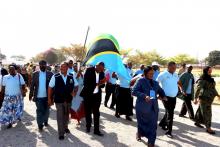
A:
[118,132]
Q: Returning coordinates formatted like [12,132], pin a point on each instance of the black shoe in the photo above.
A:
[87,130]
[9,126]
[198,125]
[67,131]
[19,119]
[112,107]
[46,124]
[192,118]
[40,127]
[164,128]
[181,115]
[61,137]
[117,115]
[211,132]
[99,134]
[128,118]
[169,134]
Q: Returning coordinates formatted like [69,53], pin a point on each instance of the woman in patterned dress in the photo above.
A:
[13,86]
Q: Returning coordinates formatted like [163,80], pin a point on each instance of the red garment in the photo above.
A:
[79,114]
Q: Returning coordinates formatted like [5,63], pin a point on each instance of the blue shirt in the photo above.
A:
[42,90]
[156,73]
[123,82]
[139,72]
[169,83]
[111,79]
[189,88]
[130,71]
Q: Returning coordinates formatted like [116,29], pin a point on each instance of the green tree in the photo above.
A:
[51,56]
[60,55]
[213,58]
[146,58]
[2,56]
[18,57]
[75,51]
[183,58]
[125,52]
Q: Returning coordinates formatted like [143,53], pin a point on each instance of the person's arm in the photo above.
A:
[32,85]
[161,93]
[3,92]
[76,87]
[137,91]
[86,80]
[50,91]
[180,85]
[217,94]
[199,91]
[102,82]
[23,86]
[50,96]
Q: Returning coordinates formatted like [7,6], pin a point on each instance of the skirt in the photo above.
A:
[12,109]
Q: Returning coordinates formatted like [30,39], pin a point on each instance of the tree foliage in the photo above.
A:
[75,51]
[183,58]
[146,58]
[2,56]
[214,58]
[18,57]
[52,56]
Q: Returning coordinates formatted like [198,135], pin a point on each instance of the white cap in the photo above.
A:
[188,65]
[155,63]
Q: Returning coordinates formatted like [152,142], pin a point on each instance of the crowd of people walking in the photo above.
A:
[66,84]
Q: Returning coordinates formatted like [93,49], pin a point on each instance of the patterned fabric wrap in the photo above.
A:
[12,109]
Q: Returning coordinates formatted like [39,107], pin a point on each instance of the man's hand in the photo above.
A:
[50,102]
[165,99]
[73,94]
[147,99]
[196,101]
[184,93]
[101,82]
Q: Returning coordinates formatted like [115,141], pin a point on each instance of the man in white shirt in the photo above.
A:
[169,81]
[38,93]
[64,88]
[70,67]
[129,69]
[110,88]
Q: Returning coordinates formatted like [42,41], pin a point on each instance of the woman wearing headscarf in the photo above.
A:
[205,94]
[146,91]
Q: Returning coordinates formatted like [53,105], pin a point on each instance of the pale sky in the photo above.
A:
[171,27]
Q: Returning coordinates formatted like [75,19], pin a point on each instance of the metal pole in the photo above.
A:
[86,36]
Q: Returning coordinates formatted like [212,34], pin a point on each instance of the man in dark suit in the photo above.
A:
[38,93]
[94,80]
